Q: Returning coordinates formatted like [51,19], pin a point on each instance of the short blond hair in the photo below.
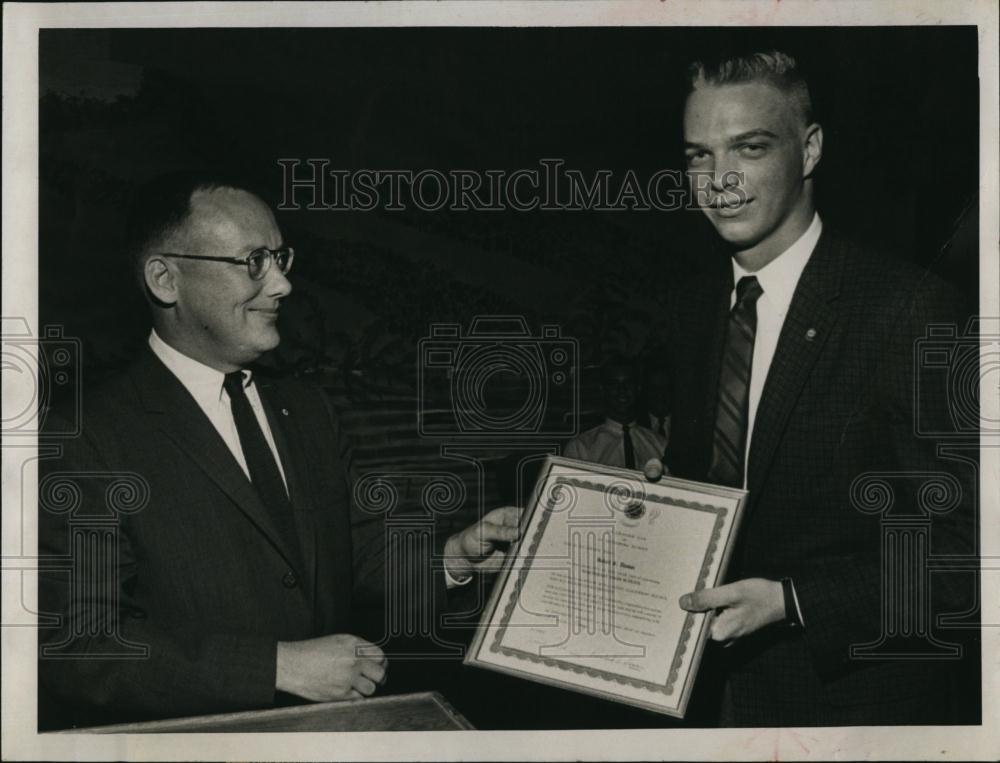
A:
[772,66]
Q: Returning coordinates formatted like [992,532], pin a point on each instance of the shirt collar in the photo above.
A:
[615,426]
[781,275]
[203,382]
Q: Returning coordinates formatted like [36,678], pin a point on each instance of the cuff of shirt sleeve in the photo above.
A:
[453,582]
[798,609]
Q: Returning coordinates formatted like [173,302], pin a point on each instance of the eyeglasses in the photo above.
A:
[258,262]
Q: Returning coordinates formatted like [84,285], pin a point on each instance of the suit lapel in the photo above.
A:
[182,421]
[810,321]
[701,316]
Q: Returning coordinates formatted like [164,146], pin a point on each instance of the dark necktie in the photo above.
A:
[629,447]
[661,428]
[732,407]
[263,468]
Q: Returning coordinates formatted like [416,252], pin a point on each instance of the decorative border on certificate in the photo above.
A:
[605,501]
[611,498]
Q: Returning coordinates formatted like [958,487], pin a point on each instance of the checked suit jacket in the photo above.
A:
[840,405]
[181,613]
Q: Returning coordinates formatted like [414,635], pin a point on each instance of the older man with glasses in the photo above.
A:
[231,588]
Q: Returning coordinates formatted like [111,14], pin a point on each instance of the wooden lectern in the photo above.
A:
[425,711]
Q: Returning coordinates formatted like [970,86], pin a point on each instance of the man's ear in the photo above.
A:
[161,280]
[813,149]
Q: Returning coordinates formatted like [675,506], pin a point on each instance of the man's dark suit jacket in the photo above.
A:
[201,579]
[838,403]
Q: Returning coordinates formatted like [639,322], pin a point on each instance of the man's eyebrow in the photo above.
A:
[758,133]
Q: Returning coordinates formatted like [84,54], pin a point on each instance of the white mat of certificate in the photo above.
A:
[588,599]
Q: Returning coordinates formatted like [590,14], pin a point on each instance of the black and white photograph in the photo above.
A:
[490,381]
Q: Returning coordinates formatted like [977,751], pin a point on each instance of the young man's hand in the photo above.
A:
[741,607]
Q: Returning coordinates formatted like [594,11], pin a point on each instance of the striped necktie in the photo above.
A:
[732,408]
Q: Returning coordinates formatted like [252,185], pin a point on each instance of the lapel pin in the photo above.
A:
[284,411]
[810,335]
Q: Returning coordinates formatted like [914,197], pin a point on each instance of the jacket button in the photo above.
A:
[290,581]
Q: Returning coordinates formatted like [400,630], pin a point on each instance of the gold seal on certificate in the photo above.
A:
[588,599]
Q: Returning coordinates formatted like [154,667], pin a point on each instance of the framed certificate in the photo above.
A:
[588,598]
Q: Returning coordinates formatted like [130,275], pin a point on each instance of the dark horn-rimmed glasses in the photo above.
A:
[258,262]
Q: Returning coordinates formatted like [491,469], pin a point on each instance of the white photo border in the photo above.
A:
[21,23]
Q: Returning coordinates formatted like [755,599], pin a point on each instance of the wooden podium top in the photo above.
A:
[425,711]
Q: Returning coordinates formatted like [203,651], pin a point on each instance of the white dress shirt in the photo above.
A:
[778,279]
[655,422]
[604,444]
[205,385]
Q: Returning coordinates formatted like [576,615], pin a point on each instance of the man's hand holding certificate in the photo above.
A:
[588,599]
[741,607]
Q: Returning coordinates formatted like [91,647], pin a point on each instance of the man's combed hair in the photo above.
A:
[771,66]
[161,206]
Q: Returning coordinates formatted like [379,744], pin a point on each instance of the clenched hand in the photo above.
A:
[330,668]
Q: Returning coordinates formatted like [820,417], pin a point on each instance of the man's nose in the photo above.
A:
[714,179]
[724,178]
[278,284]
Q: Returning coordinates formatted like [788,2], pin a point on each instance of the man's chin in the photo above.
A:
[266,342]
[736,233]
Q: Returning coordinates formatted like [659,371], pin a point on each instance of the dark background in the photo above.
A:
[900,169]
[899,106]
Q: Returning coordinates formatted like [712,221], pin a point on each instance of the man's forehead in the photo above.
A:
[230,213]
[720,111]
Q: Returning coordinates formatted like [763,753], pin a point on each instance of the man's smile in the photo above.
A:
[723,208]
[266,312]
